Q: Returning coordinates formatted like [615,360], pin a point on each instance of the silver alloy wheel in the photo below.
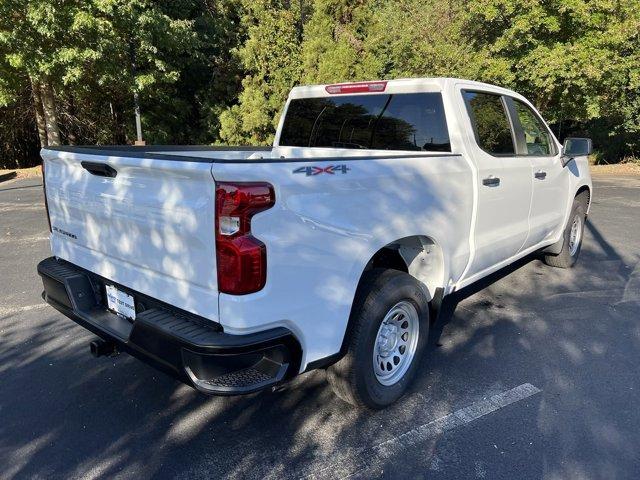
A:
[396,343]
[575,235]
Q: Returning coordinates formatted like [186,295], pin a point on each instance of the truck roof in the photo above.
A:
[400,85]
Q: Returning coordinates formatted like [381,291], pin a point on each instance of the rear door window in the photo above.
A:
[490,122]
[408,121]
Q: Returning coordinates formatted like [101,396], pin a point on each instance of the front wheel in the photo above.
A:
[389,330]
[573,233]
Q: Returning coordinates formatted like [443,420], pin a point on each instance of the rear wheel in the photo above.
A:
[573,233]
[390,326]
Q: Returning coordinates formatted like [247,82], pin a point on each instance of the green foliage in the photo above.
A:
[410,38]
[86,51]
[272,58]
[219,71]
[567,56]
[334,41]
[575,60]
[18,137]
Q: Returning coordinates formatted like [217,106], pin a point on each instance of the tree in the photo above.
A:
[271,58]
[20,44]
[83,49]
[576,60]
[210,71]
[18,135]
[423,38]
[334,41]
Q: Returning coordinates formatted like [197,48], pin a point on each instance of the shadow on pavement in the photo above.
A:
[571,333]
[8,176]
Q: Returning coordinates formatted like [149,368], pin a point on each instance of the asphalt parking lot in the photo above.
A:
[536,375]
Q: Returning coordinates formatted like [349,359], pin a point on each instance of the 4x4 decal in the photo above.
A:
[331,169]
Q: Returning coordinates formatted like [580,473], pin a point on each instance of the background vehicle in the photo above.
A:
[235,269]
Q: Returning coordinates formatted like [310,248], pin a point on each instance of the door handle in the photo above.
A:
[491,181]
[540,175]
[99,169]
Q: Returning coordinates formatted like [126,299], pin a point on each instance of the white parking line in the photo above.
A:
[7,311]
[29,207]
[25,239]
[354,463]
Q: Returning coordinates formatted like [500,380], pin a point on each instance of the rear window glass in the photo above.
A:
[408,121]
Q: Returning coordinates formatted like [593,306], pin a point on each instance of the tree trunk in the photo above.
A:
[50,115]
[72,138]
[37,104]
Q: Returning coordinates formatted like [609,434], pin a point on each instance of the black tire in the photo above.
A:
[568,256]
[353,378]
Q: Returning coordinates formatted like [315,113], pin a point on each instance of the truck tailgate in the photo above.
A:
[150,227]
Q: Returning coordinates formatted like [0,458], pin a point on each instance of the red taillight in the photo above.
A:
[241,258]
[44,188]
[361,87]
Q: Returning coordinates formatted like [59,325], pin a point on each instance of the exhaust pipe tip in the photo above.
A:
[102,347]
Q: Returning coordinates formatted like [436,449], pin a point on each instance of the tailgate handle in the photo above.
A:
[99,169]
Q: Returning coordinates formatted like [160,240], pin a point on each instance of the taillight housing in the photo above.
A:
[241,258]
[44,188]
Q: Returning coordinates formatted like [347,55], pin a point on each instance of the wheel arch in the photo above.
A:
[420,256]
[556,248]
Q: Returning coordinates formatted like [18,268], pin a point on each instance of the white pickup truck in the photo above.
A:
[235,269]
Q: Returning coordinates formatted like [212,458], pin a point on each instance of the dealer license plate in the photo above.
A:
[120,302]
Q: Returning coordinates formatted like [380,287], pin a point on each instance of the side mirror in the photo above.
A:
[575,147]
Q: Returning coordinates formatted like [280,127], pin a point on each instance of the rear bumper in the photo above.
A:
[189,348]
